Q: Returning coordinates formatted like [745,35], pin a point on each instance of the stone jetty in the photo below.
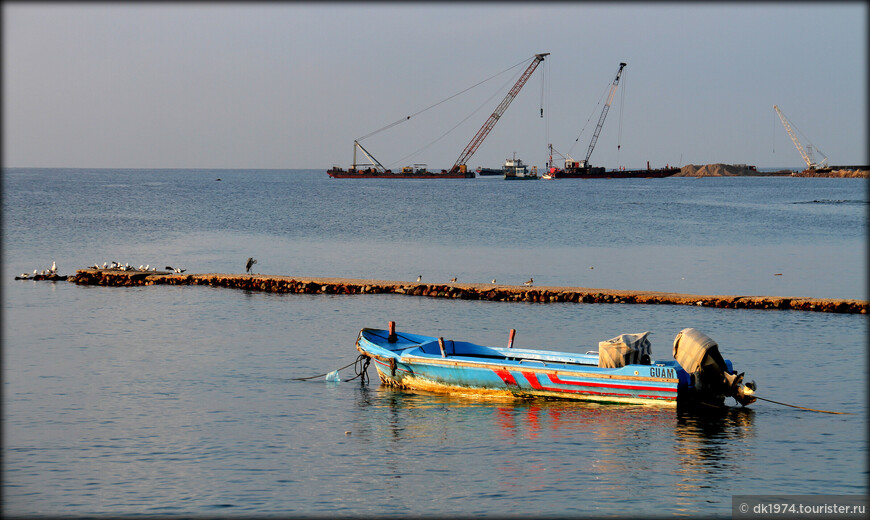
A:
[464,291]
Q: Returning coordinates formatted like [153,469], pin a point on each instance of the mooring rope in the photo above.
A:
[360,367]
[802,408]
[361,364]
[319,375]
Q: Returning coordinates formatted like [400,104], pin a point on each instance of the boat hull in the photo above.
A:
[355,174]
[485,372]
[601,173]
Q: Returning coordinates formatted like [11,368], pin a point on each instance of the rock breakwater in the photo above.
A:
[489,292]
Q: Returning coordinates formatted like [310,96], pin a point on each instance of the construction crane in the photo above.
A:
[603,115]
[481,134]
[807,153]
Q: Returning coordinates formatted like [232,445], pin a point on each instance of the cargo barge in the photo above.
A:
[406,173]
[459,170]
[582,169]
[573,170]
[489,172]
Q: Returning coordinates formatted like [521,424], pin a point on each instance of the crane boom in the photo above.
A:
[805,154]
[493,119]
[604,113]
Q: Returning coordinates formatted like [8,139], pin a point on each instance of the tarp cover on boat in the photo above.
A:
[624,349]
[699,355]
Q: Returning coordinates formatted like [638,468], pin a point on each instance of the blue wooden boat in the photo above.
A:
[620,372]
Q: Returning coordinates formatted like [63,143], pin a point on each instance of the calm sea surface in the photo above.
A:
[182,400]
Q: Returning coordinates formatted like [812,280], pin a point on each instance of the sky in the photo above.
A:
[292,85]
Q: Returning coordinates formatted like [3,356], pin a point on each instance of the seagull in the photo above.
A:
[177,270]
[105,264]
[53,266]
[169,268]
[530,282]
[24,275]
[493,280]
[453,279]
[419,277]
[248,265]
[35,272]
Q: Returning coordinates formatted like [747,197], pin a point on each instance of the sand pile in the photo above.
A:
[716,170]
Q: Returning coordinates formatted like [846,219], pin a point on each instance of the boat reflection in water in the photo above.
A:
[548,444]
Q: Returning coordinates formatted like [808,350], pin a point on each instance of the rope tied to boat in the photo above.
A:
[803,408]
[360,367]
[322,375]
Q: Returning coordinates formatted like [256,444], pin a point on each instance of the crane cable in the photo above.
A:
[594,110]
[621,107]
[466,118]
[402,120]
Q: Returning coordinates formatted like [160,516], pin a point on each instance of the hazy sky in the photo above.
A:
[291,85]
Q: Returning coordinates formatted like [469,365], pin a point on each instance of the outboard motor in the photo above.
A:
[699,356]
[625,349]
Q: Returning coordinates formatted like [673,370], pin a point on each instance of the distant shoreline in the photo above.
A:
[742,170]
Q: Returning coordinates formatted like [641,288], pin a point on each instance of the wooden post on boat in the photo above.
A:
[441,345]
[392,336]
[511,340]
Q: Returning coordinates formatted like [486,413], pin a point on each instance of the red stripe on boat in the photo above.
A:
[506,376]
[555,378]
[532,378]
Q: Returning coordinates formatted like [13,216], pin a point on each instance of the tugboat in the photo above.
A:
[514,169]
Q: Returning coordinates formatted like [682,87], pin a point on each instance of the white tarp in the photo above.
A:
[625,349]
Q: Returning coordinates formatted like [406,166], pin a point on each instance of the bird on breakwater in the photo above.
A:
[493,280]
[105,264]
[453,279]
[249,264]
[529,282]
[24,275]
[178,270]
[53,266]
[419,277]
[35,272]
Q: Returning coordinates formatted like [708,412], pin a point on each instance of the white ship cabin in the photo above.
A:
[571,163]
[515,166]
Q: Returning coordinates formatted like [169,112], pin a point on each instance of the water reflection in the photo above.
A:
[547,445]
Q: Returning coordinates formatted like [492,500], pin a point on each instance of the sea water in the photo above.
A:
[191,400]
